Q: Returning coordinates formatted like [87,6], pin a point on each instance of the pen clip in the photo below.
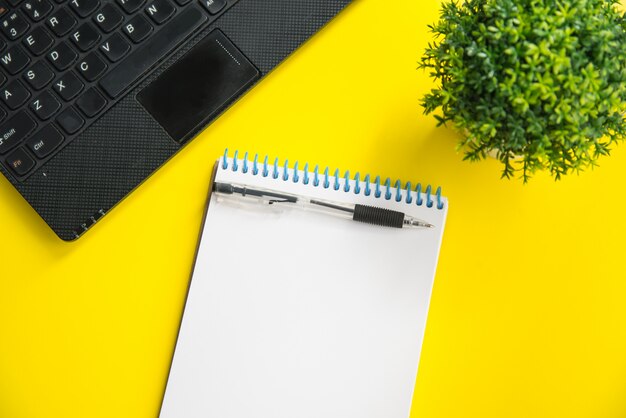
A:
[272,201]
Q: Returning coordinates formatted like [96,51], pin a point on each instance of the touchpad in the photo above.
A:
[198,86]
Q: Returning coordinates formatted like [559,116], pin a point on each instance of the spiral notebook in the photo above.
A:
[297,314]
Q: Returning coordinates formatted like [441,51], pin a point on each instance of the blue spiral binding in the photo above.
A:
[326,181]
[255,165]
[275,171]
[245,163]
[418,191]
[435,200]
[235,159]
[305,179]
[439,200]
[388,189]
[266,171]
[377,186]
[409,198]
[225,160]
[429,201]
[296,176]
[398,187]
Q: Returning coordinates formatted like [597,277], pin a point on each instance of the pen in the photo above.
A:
[361,213]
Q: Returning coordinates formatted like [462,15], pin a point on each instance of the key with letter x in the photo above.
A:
[68,86]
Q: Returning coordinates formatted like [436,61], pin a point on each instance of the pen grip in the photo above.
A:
[378,216]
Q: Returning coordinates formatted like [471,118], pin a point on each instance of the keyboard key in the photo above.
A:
[115,47]
[182,2]
[62,56]
[68,86]
[38,41]
[130,6]
[39,75]
[3,79]
[138,29]
[15,94]
[14,60]
[37,9]
[70,120]
[91,67]
[108,18]
[45,106]
[20,162]
[160,10]
[84,8]
[85,36]
[61,22]
[15,130]
[14,25]
[45,141]
[137,63]
[213,6]
[91,103]
[14,2]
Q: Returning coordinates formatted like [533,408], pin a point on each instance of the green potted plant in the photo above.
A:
[539,84]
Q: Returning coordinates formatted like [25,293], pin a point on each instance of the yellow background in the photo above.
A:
[528,316]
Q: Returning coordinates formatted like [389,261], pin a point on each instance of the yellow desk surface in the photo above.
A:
[528,315]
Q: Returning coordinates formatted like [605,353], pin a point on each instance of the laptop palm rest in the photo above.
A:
[199,86]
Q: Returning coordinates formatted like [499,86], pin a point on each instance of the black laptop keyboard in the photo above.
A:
[64,62]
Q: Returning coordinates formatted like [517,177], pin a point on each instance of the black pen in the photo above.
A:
[361,213]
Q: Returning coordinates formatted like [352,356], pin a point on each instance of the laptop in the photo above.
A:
[95,95]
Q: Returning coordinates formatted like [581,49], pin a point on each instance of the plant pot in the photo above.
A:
[494,154]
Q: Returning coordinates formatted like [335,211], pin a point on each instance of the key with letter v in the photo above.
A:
[115,47]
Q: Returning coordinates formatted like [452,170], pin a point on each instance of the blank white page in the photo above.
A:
[293,313]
